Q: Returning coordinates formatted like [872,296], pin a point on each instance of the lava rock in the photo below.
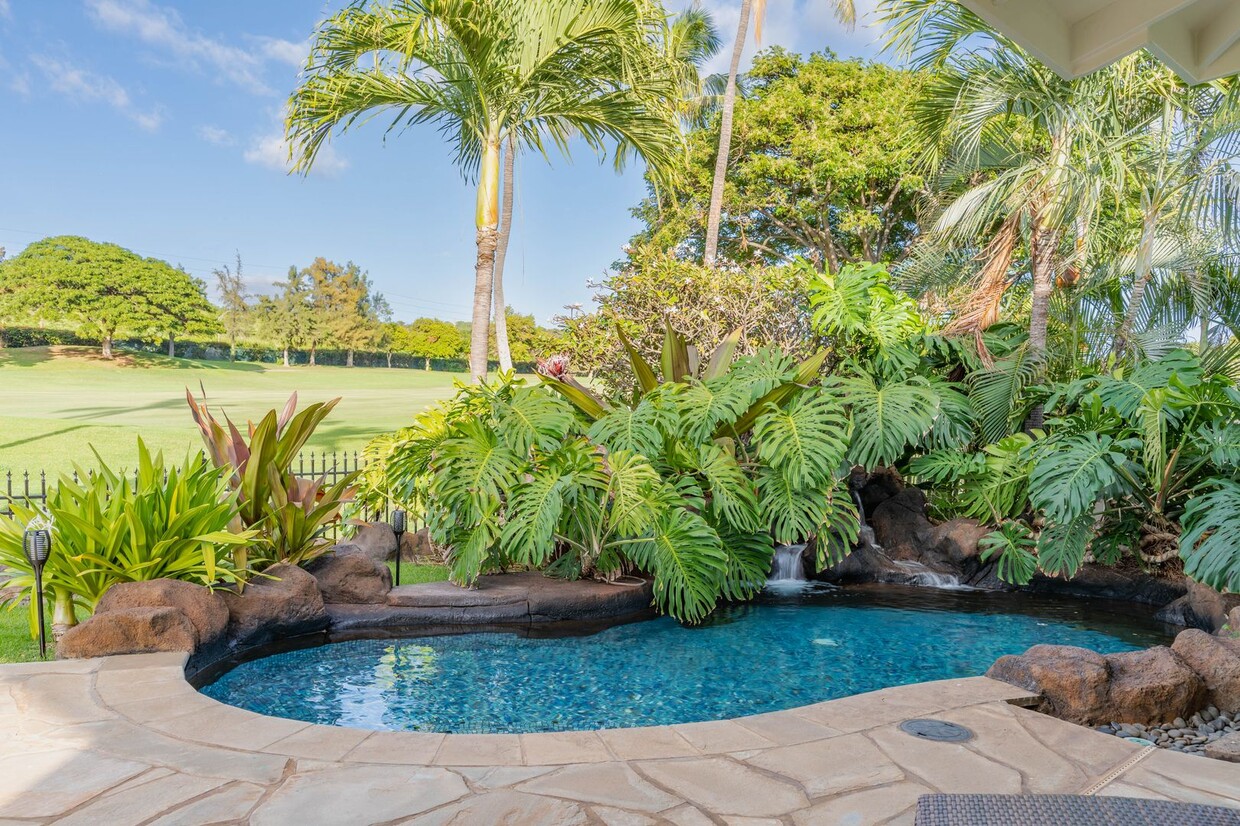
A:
[879,486]
[1148,686]
[1072,682]
[206,610]
[141,630]
[350,577]
[376,540]
[283,601]
[1106,582]
[417,545]
[900,524]
[1200,607]
[1217,661]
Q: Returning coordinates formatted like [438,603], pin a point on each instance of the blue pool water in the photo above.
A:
[777,653]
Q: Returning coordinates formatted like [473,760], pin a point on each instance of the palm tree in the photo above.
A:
[845,12]
[1182,168]
[1015,148]
[537,71]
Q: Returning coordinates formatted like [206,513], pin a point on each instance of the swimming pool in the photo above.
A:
[784,650]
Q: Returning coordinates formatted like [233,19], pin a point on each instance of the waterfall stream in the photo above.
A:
[787,566]
[914,573]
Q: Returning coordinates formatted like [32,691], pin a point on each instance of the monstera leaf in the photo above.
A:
[1208,544]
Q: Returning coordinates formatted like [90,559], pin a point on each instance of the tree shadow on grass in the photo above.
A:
[41,436]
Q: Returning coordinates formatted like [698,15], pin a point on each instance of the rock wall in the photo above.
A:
[903,533]
[349,590]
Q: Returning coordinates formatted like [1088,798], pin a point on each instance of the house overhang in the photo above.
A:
[1199,39]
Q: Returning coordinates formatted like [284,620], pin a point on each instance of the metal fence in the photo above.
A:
[33,486]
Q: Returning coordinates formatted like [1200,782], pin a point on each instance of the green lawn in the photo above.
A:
[56,401]
[15,643]
[412,574]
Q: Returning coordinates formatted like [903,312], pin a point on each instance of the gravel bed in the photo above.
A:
[1189,736]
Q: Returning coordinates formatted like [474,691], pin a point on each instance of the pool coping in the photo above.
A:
[163,676]
[121,719]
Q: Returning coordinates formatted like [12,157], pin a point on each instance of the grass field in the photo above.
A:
[55,402]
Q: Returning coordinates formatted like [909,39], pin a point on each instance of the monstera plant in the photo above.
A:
[691,479]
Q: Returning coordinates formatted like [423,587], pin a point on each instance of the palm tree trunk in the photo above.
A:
[486,219]
[499,305]
[1043,243]
[1042,265]
[1141,279]
[711,248]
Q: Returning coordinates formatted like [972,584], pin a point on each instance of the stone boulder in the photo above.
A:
[900,524]
[376,540]
[1151,687]
[1233,622]
[349,577]
[207,611]
[282,602]
[957,541]
[141,630]
[876,488]
[1217,661]
[417,545]
[1072,682]
[1200,607]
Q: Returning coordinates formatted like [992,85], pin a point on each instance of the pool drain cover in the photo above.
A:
[938,730]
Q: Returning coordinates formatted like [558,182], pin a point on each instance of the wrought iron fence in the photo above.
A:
[33,486]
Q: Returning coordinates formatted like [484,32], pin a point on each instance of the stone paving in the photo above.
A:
[125,740]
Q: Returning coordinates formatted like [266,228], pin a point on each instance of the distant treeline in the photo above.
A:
[326,313]
[208,350]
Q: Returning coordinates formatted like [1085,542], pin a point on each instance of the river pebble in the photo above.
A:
[1189,736]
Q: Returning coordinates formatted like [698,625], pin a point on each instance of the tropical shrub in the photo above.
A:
[1140,462]
[289,516]
[161,522]
[706,304]
[890,368]
[692,478]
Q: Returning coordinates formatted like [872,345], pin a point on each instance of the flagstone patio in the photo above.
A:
[127,740]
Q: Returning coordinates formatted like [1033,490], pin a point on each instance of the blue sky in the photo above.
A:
[156,125]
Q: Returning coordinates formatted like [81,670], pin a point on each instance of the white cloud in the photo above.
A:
[216,135]
[271,151]
[85,85]
[283,51]
[164,28]
[5,11]
[798,25]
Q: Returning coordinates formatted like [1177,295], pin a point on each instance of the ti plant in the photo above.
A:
[290,515]
[160,522]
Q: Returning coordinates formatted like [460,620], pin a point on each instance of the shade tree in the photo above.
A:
[103,289]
